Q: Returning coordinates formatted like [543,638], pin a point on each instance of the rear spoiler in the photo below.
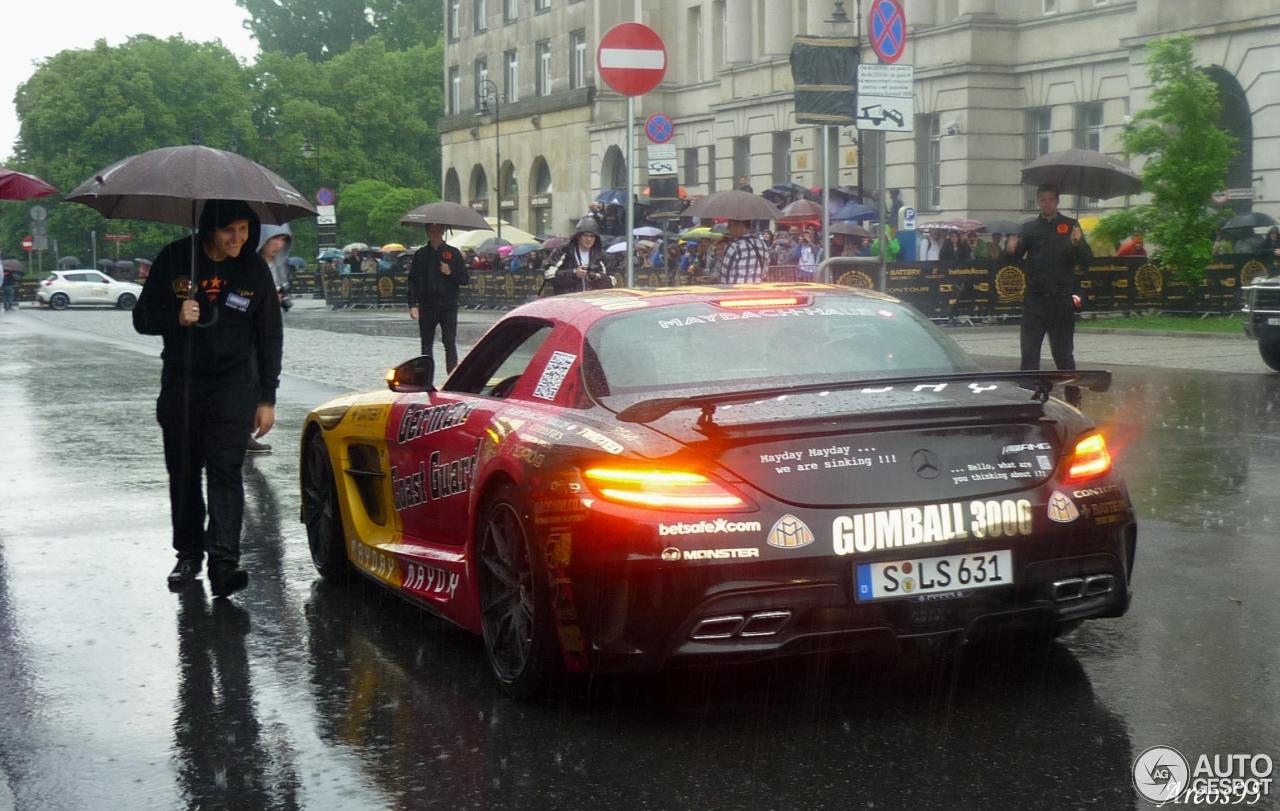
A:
[1040,383]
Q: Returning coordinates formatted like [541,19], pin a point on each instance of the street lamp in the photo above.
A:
[489,89]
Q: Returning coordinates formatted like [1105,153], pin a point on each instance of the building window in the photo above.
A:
[478,15]
[1050,6]
[741,158]
[781,157]
[510,10]
[511,75]
[1088,135]
[578,59]
[690,166]
[481,76]
[1039,130]
[719,26]
[693,49]
[544,68]
[929,159]
[540,6]
[452,21]
[455,90]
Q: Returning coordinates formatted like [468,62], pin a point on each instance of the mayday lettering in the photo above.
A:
[372,561]
[434,482]
[711,318]
[430,580]
[715,527]
[932,523]
[831,458]
[421,419]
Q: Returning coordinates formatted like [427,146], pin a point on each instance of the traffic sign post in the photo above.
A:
[632,60]
[885,102]
[659,128]
[887,30]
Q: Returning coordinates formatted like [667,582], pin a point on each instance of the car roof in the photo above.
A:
[587,308]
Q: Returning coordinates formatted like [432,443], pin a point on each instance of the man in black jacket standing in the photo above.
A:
[435,275]
[222,355]
[1053,246]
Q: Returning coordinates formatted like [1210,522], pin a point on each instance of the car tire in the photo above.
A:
[321,511]
[126,301]
[59,301]
[515,605]
[1270,351]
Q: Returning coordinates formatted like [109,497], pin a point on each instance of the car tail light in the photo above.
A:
[1089,460]
[48,282]
[662,489]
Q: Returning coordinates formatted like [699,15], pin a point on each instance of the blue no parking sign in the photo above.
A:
[887,30]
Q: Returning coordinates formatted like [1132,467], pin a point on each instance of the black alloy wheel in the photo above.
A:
[514,605]
[320,511]
[126,301]
[59,301]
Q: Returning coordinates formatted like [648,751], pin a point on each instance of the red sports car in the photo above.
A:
[628,480]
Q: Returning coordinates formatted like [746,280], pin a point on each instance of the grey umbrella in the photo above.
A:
[733,204]
[1083,172]
[69,262]
[172,183]
[451,215]
[1253,219]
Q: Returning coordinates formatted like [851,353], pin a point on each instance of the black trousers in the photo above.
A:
[446,317]
[206,424]
[1053,314]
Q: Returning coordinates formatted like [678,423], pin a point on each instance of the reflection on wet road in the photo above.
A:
[300,694]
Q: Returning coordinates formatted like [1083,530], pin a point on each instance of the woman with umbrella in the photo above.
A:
[581,264]
[222,354]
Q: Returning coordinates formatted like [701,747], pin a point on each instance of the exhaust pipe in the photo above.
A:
[765,623]
[717,627]
[1098,584]
[1072,588]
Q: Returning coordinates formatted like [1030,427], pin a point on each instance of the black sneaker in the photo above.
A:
[255,446]
[185,571]
[227,580]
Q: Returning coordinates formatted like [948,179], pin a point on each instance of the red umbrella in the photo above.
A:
[16,185]
[801,211]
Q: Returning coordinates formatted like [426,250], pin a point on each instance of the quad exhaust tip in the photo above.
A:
[1073,588]
[761,623]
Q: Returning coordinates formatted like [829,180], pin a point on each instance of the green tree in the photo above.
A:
[384,217]
[355,201]
[1187,157]
[322,29]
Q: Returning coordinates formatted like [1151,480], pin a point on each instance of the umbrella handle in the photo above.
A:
[206,324]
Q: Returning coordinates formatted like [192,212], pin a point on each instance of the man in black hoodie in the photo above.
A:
[222,355]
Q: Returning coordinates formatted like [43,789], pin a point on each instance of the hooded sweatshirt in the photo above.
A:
[239,333]
[280,265]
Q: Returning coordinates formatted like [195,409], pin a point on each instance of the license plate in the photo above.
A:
[1273,322]
[909,578]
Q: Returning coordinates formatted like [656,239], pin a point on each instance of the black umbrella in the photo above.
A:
[733,204]
[13,265]
[1253,219]
[1083,172]
[450,215]
[490,246]
[171,185]
[849,229]
[69,262]
[1003,227]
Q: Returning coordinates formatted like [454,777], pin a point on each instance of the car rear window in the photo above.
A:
[703,345]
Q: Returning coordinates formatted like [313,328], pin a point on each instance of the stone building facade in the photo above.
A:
[998,82]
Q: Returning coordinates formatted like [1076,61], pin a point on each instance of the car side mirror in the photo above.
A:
[412,376]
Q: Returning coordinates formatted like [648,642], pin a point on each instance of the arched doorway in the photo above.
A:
[1236,120]
[541,188]
[452,188]
[613,171]
[509,194]
[478,189]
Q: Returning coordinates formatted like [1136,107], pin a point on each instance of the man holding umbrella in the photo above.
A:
[222,357]
[436,273]
[1053,246]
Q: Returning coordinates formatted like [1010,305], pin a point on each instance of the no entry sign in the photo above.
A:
[28,244]
[631,59]
[887,30]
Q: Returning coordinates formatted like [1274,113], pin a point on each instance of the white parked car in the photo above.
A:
[84,286]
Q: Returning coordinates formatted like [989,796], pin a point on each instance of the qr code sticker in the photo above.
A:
[553,376]
[1044,462]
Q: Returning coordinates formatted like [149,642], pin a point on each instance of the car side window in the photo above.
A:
[98,277]
[494,367]
[77,277]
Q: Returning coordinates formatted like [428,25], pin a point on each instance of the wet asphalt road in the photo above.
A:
[115,693]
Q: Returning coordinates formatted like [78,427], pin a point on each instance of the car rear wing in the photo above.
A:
[1040,384]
